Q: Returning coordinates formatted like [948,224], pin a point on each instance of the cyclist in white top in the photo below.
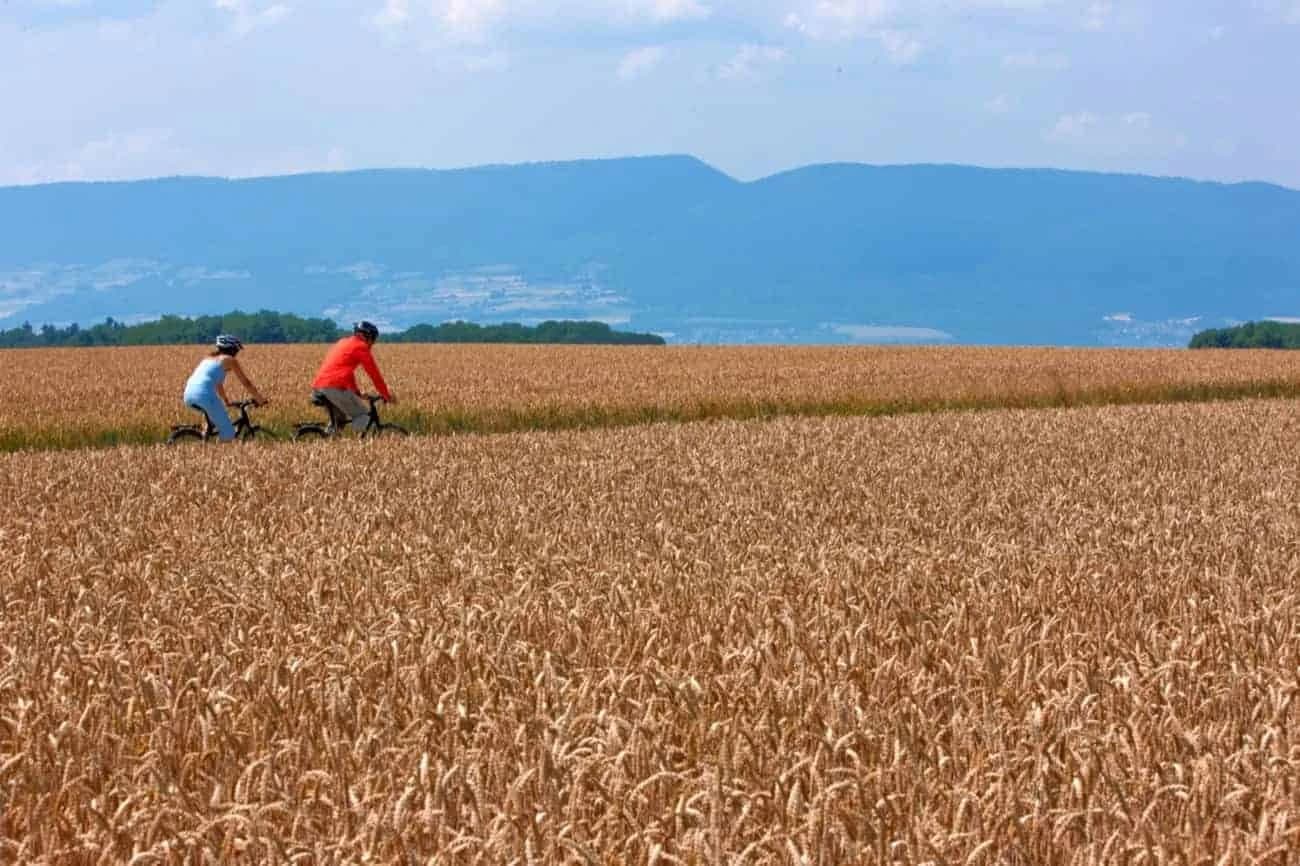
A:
[206,392]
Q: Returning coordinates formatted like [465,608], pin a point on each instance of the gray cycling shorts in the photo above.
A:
[350,404]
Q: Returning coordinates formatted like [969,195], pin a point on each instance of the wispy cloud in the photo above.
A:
[901,47]
[248,16]
[110,156]
[641,61]
[476,21]
[1097,16]
[1072,126]
[839,19]
[395,14]
[1083,123]
[1114,135]
[1000,104]
[675,10]
[470,20]
[532,61]
[750,60]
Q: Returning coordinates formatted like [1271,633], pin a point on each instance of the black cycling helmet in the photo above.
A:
[367,330]
[229,345]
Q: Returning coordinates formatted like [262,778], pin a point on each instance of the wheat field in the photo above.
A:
[74,397]
[1007,637]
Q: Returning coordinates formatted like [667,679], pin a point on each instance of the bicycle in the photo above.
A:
[338,422]
[245,429]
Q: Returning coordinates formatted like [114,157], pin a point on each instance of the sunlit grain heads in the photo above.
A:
[1013,637]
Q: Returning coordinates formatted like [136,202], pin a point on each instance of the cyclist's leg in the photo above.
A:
[356,410]
[210,404]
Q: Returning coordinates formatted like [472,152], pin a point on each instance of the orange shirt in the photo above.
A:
[339,369]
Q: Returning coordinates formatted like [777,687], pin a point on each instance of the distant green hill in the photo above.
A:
[266,326]
[1251,335]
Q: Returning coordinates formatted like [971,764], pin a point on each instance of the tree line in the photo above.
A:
[1251,335]
[267,326]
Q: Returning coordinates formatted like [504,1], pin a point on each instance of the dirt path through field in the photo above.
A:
[71,398]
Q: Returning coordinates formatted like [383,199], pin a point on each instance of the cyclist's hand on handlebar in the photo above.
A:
[392,400]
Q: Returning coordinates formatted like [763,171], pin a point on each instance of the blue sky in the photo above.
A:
[109,89]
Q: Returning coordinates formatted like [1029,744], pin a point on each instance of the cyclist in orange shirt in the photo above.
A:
[336,380]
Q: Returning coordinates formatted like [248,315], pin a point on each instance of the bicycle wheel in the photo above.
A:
[184,434]
[387,431]
[308,432]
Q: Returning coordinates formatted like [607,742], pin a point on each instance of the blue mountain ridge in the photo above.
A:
[826,253]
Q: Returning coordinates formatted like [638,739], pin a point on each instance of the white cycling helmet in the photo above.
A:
[228,345]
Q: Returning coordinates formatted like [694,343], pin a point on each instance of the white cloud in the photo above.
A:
[248,16]
[116,155]
[552,46]
[150,153]
[474,21]
[1011,5]
[394,14]
[1097,15]
[749,60]
[1134,133]
[1053,62]
[469,20]
[674,10]
[641,61]
[906,30]
[1000,104]
[852,19]
[902,48]
[1072,126]
[839,19]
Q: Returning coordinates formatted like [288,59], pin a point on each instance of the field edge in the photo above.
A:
[552,418]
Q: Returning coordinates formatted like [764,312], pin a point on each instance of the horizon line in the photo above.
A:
[632,158]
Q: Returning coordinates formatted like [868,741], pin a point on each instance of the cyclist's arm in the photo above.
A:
[238,370]
[376,378]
